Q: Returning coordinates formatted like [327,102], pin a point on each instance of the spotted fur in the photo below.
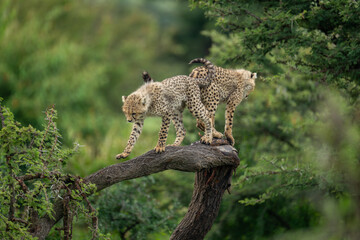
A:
[226,86]
[166,99]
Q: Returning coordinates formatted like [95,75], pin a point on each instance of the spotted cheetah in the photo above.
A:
[228,86]
[166,99]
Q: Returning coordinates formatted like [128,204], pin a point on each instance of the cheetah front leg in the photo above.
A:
[233,101]
[135,133]
[160,147]
[180,130]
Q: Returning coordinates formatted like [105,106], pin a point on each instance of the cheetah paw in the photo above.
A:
[230,138]
[122,155]
[205,140]
[174,145]
[159,149]
[217,134]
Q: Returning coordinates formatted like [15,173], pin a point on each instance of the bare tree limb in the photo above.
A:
[193,158]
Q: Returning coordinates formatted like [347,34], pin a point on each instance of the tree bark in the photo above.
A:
[209,188]
[193,158]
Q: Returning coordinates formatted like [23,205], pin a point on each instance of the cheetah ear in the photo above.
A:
[123,98]
[253,75]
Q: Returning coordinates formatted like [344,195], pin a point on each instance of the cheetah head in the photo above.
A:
[135,107]
[249,84]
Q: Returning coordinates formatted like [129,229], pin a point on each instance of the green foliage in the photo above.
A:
[31,169]
[298,133]
[131,212]
[316,38]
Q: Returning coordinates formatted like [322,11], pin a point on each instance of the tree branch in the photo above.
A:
[193,158]
[2,118]
[251,14]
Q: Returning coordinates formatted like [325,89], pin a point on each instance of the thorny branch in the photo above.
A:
[268,173]
[92,210]
[224,13]
[49,118]
[2,116]
[11,215]
[67,220]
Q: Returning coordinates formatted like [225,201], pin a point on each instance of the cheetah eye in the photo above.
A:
[133,115]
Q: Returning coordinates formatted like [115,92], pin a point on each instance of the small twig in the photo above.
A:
[46,130]
[2,117]
[251,14]
[32,140]
[29,177]
[92,210]
[55,141]
[247,12]
[128,229]
[67,220]
[12,203]
[26,208]
[22,184]
[20,221]
[267,173]
[25,213]
[11,216]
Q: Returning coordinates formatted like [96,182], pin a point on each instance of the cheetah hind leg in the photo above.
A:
[215,133]
[199,111]
[207,138]
[160,147]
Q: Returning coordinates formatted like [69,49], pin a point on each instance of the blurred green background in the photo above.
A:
[298,134]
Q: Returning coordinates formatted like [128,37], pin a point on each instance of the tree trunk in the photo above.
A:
[209,188]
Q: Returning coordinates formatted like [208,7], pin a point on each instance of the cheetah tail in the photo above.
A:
[208,65]
[146,77]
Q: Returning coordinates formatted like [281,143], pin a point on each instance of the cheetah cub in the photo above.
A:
[166,99]
[226,86]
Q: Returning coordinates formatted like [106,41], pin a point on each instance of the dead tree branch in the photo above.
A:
[194,158]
